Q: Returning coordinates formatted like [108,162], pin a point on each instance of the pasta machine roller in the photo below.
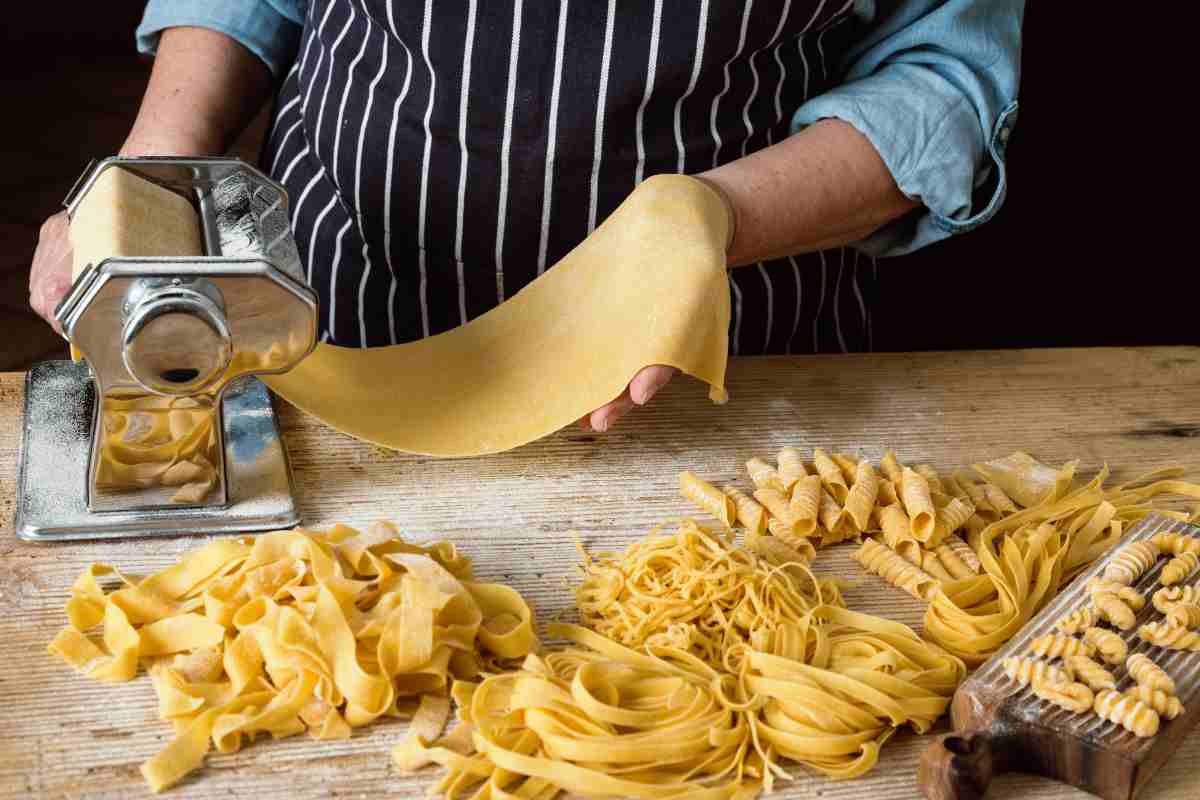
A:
[158,426]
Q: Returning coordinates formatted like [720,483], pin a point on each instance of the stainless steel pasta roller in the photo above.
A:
[158,426]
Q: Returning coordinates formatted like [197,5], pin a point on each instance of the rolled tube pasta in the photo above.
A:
[805,504]
[763,475]
[831,475]
[708,497]
[860,500]
[751,515]
[914,493]
[883,562]
[791,468]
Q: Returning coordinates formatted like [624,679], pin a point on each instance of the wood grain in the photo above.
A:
[63,736]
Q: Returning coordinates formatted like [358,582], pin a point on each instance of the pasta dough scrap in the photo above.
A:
[648,286]
[293,631]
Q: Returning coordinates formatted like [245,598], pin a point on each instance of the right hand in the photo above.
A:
[50,275]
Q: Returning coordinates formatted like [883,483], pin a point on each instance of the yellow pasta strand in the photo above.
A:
[1130,713]
[1091,673]
[1131,562]
[1025,671]
[1165,705]
[1166,599]
[1074,697]
[1054,646]
[750,514]
[1112,648]
[1169,636]
[1147,673]
[1077,621]
[708,497]
[883,562]
[1179,568]
[791,468]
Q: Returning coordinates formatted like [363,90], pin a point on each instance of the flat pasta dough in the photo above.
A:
[647,287]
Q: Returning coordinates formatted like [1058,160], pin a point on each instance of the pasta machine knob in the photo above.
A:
[175,339]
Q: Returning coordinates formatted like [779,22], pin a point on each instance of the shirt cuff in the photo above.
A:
[256,25]
[929,136]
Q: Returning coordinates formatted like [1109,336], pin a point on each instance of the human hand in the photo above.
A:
[639,391]
[50,273]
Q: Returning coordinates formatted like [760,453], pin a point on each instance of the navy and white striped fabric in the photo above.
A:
[441,156]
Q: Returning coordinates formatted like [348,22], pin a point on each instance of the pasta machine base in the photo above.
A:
[1001,727]
[52,484]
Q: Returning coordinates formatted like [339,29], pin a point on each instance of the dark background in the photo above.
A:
[1089,249]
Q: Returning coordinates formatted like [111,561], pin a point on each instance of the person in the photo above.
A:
[438,157]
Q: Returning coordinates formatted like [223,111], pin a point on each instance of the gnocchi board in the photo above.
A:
[999,726]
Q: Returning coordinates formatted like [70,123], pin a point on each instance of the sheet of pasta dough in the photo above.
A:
[647,287]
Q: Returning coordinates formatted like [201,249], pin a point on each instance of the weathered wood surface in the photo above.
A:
[64,736]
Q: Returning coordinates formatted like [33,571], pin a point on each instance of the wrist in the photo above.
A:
[730,210]
[167,143]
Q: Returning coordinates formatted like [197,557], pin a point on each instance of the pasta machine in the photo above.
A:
[158,425]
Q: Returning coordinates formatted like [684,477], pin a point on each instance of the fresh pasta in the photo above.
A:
[1025,671]
[1075,697]
[860,500]
[1130,713]
[1091,673]
[1184,615]
[1174,544]
[763,475]
[1167,598]
[291,631]
[831,475]
[1114,610]
[708,497]
[1110,646]
[914,493]
[1077,621]
[805,503]
[791,468]
[1172,637]
[885,563]
[750,514]
[1054,646]
[1147,673]
[1131,561]
[1165,705]
[1178,568]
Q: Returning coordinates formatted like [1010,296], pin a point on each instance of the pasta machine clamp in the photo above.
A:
[159,426]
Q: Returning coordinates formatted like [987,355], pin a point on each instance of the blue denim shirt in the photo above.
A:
[932,85]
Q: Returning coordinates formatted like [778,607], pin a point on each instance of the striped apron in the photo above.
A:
[440,157]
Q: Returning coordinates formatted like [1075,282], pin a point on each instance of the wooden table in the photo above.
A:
[64,736]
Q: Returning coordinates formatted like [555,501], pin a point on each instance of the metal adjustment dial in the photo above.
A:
[175,339]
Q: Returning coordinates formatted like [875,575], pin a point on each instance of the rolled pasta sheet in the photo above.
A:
[782,546]
[805,504]
[954,515]
[860,500]
[890,467]
[952,559]
[888,493]
[835,522]
[708,497]
[750,513]
[779,508]
[897,533]
[791,468]
[931,477]
[763,475]
[931,562]
[914,493]
[885,563]
[831,475]
[848,466]
[964,553]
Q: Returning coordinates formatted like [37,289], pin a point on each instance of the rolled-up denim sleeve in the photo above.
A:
[268,28]
[933,86]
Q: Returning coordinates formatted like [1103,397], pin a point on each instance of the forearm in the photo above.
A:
[824,187]
[205,88]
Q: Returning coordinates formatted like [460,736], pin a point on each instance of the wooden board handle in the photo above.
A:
[957,766]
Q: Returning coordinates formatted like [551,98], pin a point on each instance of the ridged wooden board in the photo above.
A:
[996,720]
[64,736]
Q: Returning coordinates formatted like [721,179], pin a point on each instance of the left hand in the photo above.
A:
[639,391]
